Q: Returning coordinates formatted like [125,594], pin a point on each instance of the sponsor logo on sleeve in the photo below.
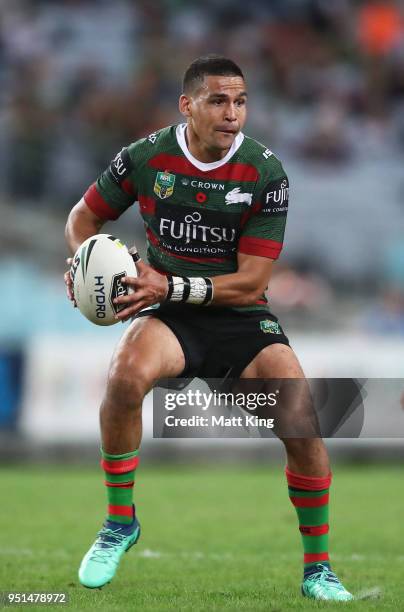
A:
[152,137]
[235,197]
[121,166]
[275,198]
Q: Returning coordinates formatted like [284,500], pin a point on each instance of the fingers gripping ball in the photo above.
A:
[98,267]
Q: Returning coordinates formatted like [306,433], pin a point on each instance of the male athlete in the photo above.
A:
[214,205]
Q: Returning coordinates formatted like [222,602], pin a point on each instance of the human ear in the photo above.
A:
[184,105]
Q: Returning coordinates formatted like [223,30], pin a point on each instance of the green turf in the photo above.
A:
[213,538]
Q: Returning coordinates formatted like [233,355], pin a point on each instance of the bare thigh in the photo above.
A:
[147,351]
[274,361]
[294,413]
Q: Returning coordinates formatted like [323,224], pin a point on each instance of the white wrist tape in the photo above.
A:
[194,290]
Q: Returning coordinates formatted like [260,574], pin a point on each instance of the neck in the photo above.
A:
[200,150]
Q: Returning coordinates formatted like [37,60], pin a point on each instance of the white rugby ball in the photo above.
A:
[98,267]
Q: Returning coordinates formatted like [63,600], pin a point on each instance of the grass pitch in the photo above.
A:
[213,538]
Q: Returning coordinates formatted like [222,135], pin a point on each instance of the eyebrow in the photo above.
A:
[225,96]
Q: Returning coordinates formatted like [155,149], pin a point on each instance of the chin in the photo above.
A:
[224,142]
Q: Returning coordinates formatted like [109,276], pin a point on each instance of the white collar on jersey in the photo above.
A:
[180,133]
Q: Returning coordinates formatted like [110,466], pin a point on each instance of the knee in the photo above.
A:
[128,382]
[296,446]
[296,414]
[303,447]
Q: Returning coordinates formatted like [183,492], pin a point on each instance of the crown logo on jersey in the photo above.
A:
[164,184]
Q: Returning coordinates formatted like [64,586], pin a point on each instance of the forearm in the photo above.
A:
[80,226]
[241,288]
[237,289]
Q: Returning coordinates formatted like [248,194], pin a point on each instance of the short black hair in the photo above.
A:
[208,65]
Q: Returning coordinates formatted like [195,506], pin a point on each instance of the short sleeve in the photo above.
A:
[264,230]
[114,190]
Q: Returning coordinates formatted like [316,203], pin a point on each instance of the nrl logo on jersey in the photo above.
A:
[235,197]
[164,184]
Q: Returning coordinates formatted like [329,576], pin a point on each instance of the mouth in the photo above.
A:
[230,131]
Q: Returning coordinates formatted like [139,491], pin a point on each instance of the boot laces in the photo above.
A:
[324,575]
[106,541]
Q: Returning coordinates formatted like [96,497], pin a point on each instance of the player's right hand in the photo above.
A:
[69,282]
[149,287]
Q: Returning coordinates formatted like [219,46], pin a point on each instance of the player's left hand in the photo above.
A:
[69,282]
[150,287]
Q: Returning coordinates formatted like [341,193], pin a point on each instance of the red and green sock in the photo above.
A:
[119,480]
[309,495]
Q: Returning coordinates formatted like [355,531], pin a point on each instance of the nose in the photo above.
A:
[230,113]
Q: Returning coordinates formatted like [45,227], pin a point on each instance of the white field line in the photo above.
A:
[57,553]
[150,554]
[371,593]
[154,554]
[11,552]
[197,555]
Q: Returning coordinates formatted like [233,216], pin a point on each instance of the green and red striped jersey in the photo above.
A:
[197,215]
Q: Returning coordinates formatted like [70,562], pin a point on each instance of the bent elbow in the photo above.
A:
[250,298]
[256,293]
[255,296]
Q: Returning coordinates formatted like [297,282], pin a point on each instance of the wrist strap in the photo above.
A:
[194,290]
[135,257]
[170,288]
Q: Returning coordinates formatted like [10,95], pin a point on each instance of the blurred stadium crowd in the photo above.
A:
[81,77]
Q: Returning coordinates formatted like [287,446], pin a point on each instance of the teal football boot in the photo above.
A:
[99,565]
[323,584]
